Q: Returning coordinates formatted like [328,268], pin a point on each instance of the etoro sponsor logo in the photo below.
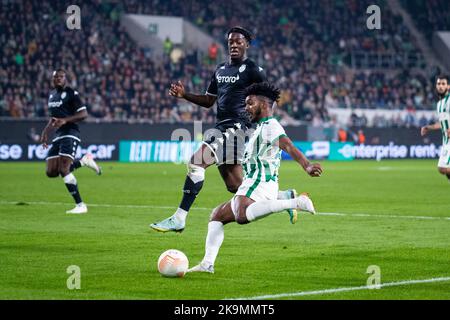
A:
[55,104]
[227,79]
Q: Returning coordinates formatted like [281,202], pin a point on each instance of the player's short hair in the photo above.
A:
[247,34]
[443,76]
[264,89]
[59,70]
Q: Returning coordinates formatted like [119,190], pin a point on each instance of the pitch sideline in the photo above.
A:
[2,202]
[336,290]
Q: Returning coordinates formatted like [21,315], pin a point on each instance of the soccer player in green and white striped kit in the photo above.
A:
[443,110]
[256,198]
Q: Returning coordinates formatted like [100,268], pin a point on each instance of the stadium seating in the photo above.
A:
[120,82]
[429,15]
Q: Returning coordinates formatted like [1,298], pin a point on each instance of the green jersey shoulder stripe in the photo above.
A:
[278,138]
[267,146]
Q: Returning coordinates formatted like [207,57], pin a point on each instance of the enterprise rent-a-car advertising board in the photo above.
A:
[174,151]
[35,152]
[179,152]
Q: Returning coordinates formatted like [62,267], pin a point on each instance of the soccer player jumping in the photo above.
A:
[443,110]
[225,149]
[66,109]
[257,196]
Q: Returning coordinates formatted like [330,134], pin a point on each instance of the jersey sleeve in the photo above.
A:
[274,131]
[258,75]
[212,88]
[77,104]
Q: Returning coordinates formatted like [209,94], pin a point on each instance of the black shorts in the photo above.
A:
[65,147]
[227,141]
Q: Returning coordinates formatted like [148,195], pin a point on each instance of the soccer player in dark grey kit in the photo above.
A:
[227,88]
[66,109]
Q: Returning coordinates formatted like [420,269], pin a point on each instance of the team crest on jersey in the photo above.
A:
[242,68]
[63,95]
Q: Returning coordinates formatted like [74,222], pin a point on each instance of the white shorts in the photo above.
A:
[256,191]
[444,159]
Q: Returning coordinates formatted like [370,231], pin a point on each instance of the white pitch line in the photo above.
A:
[336,290]
[106,205]
[382,216]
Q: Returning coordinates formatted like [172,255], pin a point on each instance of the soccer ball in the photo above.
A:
[173,263]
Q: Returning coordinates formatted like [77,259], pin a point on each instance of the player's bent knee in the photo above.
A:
[64,172]
[213,215]
[52,174]
[241,218]
[443,170]
[198,160]
[64,168]
[196,169]
[233,188]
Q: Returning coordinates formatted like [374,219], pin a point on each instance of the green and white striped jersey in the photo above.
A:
[443,110]
[262,154]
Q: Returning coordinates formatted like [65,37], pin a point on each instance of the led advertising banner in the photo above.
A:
[179,152]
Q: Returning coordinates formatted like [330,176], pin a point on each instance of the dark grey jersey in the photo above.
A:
[64,103]
[228,84]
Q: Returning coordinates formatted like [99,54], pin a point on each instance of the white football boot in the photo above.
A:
[88,161]
[202,267]
[305,203]
[80,208]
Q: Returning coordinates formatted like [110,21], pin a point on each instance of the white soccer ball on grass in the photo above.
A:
[173,263]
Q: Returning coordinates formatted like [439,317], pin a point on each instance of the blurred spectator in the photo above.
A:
[168,45]
[342,135]
[361,137]
[176,55]
[33,135]
[213,51]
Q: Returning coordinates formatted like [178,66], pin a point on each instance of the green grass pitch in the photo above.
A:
[392,214]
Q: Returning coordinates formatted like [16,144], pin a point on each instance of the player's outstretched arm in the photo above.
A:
[424,130]
[313,169]
[77,117]
[177,90]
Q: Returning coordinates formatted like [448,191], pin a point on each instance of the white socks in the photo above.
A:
[180,215]
[196,173]
[254,211]
[283,195]
[70,179]
[260,209]
[214,240]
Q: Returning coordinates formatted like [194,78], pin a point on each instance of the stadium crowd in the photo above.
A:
[305,50]
[429,15]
